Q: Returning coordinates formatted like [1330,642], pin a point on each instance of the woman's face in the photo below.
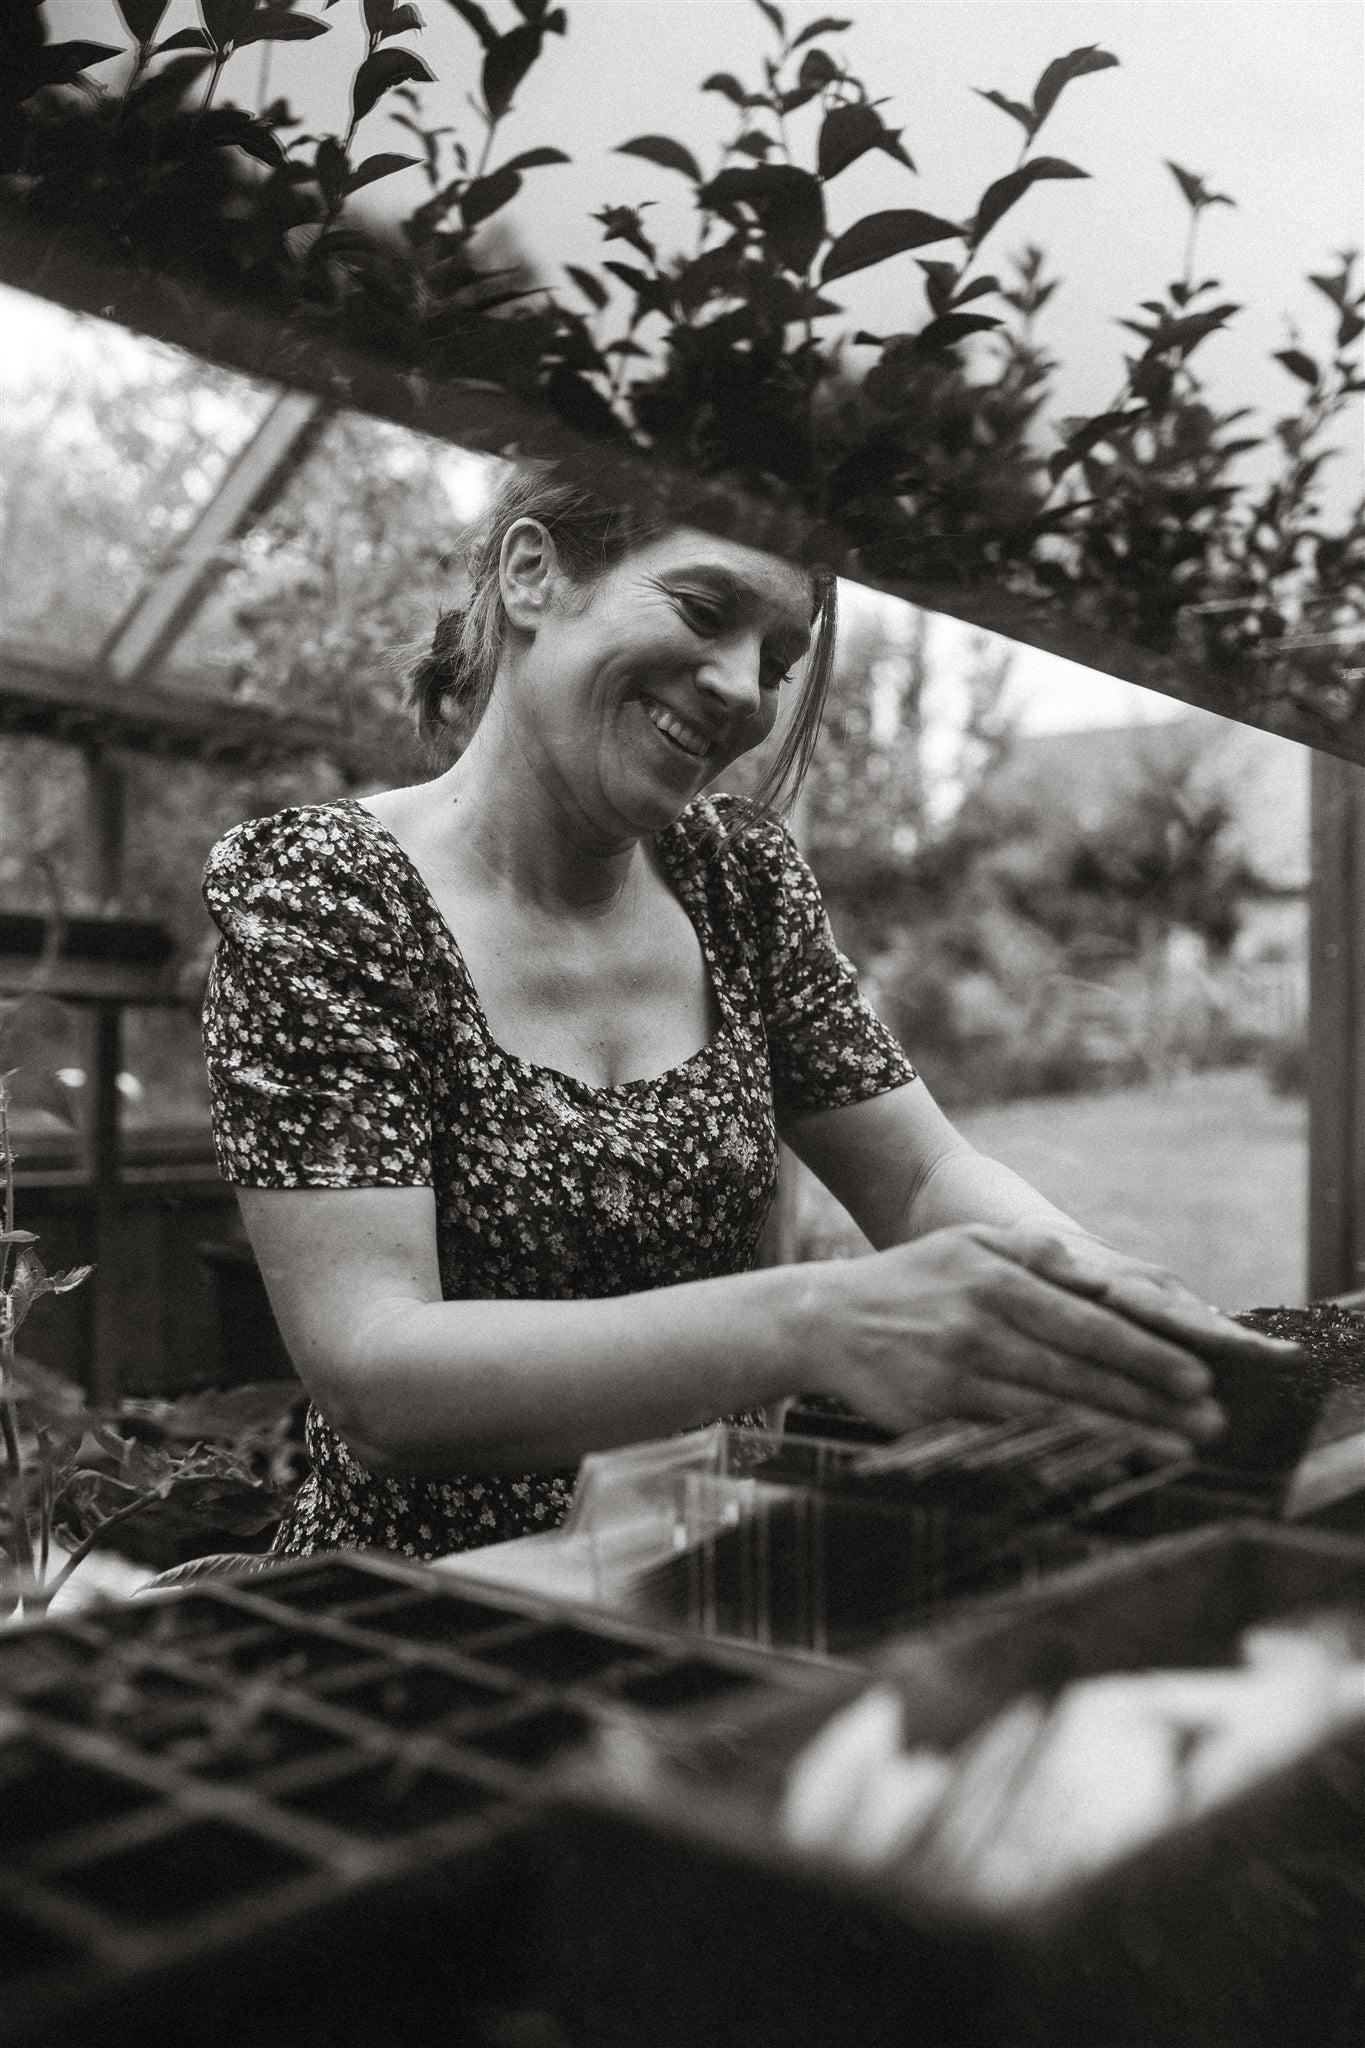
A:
[632,695]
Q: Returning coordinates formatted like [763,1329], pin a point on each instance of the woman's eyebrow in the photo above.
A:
[737,591]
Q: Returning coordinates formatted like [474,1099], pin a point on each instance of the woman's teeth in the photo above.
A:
[684,735]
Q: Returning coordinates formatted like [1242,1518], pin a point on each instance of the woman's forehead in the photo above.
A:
[749,574]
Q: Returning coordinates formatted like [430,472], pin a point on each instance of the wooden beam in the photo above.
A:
[45,694]
[1336,1031]
[148,630]
[475,415]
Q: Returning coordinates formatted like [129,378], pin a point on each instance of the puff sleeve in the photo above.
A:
[313,1019]
[826,1043]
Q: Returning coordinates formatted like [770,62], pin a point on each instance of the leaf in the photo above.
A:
[725,82]
[484,196]
[184,39]
[380,72]
[271,27]
[1089,435]
[774,15]
[977,289]
[652,294]
[506,64]
[953,327]
[1299,365]
[63,63]
[142,18]
[1001,196]
[37,1088]
[382,166]
[170,84]
[1060,72]
[880,235]
[532,159]
[788,203]
[940,279]
[1023,115]
[754,143]
[401,20]
[592,288]
[827,25]
[225,19]
[817,69]
[477,20]
[847,132]
[222,127]
[1195,190]
[664,151]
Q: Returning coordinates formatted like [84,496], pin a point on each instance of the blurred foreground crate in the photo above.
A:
[298,1806]
[1237,1929]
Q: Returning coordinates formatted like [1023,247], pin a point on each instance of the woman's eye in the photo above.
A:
[703,617]
[772,675]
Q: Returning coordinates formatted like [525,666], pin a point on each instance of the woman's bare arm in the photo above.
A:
[967,1321]
[425,1385]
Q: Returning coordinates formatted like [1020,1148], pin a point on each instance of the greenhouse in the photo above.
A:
[682,1026]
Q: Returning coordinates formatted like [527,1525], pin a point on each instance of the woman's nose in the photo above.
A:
[732,674]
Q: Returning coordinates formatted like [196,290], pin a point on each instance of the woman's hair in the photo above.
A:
[449,688]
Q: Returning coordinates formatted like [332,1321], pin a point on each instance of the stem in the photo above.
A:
[220,58]
[263,77]
[23,1541]
[1188,276]
[84,1548]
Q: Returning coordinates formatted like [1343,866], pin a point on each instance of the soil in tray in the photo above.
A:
[669,1687]
[327,1590]
[289,1655]
[43,1794]
[236,1741]
[415,1698]
[185,1871]
[119,1699]
[532,1738]
[392,1798]
[35,1659]
[432,1618]
[1273,1409]
[559,1654]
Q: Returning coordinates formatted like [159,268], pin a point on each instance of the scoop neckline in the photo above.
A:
[664,840]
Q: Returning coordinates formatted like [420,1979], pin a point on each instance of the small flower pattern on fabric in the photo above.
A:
[347,1047]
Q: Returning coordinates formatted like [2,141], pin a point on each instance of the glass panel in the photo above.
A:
[113,445]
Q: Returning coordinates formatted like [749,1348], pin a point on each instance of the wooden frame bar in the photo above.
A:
[1336,1031]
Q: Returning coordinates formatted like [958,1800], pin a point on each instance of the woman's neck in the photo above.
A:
[492,822]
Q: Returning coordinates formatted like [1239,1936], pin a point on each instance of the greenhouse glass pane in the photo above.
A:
[113,445]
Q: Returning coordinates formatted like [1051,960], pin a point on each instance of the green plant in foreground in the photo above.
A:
[73,1471]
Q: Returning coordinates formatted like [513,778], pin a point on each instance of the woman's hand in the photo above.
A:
[1001,1322]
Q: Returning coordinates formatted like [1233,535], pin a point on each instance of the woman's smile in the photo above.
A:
[687,738]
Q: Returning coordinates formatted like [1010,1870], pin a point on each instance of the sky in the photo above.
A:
[1262,97]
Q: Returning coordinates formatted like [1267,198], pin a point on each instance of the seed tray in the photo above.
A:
[220,1792]
[1235,1929]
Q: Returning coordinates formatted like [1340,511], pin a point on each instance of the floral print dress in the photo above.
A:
[347,1047]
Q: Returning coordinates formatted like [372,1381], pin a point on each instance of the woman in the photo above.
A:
[499,1062]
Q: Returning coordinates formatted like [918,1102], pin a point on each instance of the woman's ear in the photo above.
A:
[528,568]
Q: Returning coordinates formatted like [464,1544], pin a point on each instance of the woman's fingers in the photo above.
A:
[1145,1294]
[1091,1354]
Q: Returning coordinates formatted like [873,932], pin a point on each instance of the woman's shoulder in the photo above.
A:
[329,865]
[750,850]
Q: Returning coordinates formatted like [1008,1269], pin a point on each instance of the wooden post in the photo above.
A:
[1336,1030]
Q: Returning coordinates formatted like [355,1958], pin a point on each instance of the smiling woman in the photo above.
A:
[499,1064]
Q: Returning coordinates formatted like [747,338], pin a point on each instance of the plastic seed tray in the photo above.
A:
[301,1793]
[826,1545]
[1239,1928]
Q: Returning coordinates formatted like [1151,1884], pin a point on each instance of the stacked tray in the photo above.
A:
[232,1810]
[1233,1929]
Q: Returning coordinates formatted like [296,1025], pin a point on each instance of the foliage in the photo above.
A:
[72,1469]
[917,457]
